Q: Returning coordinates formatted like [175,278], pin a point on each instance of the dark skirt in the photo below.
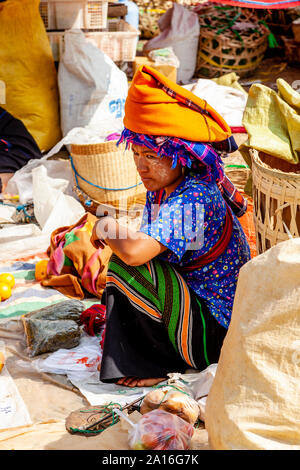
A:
[155,324]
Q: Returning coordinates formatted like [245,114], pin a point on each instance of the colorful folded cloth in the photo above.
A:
[76,267]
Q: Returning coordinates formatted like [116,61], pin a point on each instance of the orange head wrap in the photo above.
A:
[157,106]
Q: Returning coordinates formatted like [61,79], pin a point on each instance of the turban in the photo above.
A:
[172,121]
[157,106]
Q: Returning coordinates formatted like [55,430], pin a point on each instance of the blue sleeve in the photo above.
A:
[179,225]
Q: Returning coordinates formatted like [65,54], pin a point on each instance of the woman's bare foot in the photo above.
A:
[136,382]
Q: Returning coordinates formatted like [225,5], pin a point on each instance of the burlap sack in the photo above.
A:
[254,402]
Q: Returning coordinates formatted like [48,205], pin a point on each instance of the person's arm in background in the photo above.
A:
[4,178]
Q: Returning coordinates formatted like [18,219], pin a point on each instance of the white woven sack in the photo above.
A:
[254,401]
[92,88]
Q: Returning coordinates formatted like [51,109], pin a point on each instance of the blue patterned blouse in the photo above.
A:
[189,222]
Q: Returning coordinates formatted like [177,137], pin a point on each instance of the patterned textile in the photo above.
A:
[75,265]
[28,294]
[172,328]
[265,4]
[94,319]
[215,282]
[194,155]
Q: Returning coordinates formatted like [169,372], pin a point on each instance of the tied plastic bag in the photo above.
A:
[88,135]
[173,400]
[159,430]
[180,30]
[92,88]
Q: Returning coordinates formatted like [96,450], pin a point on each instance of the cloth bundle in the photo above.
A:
[272,121]
[74,263]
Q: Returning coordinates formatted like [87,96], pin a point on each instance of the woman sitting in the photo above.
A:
[170,286]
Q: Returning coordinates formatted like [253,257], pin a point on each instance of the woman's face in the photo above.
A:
[156,173]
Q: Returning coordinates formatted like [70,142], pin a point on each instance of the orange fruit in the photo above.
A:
[7,278]
[1,360]
[5,291]
[41,269]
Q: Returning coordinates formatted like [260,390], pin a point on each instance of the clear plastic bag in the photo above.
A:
[173,400]
[160,430]
[53,327]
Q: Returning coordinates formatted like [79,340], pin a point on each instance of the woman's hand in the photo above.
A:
[134,248]
[97,239]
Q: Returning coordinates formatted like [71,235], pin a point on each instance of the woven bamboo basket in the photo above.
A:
[276,197]
[106,174]
[224,48]
[238,175]
[219,54]
[280,21]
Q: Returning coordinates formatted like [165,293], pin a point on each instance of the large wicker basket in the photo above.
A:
[220,50]
[107,174]
[276,196]
[238,175]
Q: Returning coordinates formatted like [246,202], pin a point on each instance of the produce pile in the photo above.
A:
[160,430]
[174,400]
[7,283]
[150,12]
[169,416]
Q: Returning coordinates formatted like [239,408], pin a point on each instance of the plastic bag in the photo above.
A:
[53,327]
[180,30]
[28,71]
[92,88]
[53,208]
[159,430]
[17,241]
[230,103]
[165,56]
[172,400]
[88,135]
[13,411]
[21,183]
[80,362]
